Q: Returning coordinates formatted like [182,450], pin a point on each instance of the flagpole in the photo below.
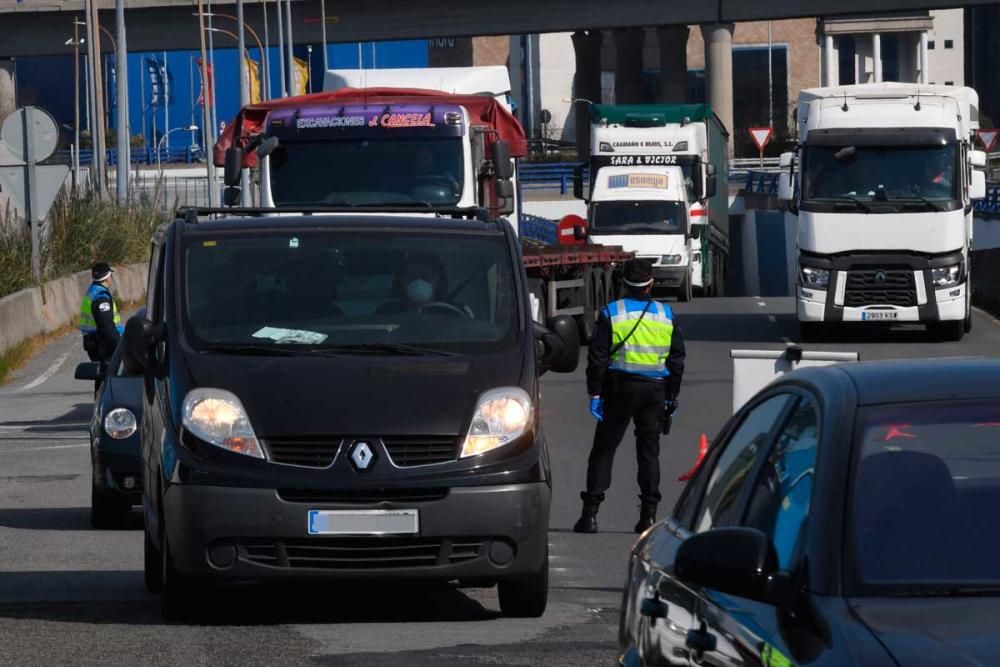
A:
[288,45]
[281,51]
[213,132]
[209,150]
[97,84]
[322,18]
[266,57]
[191,99]
[121,79]
[244,92]
[166,104]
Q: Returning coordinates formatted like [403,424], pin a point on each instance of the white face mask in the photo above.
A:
[420,291]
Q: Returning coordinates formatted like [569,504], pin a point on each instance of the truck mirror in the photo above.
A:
[230,196]
[578,181]
[504,191]
[234,166]
[710,185]
[695,232]
[977,159]
[502,164]
[786,160]
[785,186]
[267,146]
[977,188]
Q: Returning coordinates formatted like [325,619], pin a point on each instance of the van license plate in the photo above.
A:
[869,315]
[364,522]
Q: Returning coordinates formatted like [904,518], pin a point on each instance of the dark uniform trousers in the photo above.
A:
[633,399]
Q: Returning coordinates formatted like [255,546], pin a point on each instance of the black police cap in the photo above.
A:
[100,271]
[638,272]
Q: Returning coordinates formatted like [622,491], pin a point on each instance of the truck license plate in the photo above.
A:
[364,522]
[869,315]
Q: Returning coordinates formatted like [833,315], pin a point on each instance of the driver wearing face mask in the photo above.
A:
[422,286]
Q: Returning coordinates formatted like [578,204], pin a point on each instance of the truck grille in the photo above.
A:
[880,287]
[304,451]
[421,450]
[363,553]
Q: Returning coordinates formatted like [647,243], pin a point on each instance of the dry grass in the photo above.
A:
[16,357]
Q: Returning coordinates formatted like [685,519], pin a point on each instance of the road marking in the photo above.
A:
[35,449]
[52,370]
[54,426]
[772,319]
[761,303]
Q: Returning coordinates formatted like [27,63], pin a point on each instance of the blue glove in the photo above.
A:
[597,408]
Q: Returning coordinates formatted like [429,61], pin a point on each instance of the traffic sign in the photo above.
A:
[50,179]
[988,138]
[41,126]
[760,136]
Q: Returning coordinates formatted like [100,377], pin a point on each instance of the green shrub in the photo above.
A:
[80,230]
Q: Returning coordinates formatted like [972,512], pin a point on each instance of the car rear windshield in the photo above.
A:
[925,499]
[321,289]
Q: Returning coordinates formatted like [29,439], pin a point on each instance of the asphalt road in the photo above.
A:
[70,594]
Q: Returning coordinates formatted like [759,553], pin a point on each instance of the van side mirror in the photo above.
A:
[88,370]
[503,166]
[559,344]
[139,338]
[977,187]
[234,166]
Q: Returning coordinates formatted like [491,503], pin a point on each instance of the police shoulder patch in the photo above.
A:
[104,306]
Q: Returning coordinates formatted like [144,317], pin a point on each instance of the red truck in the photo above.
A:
[421,151]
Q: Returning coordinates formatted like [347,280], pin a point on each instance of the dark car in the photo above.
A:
[116,482]
[344,396]
[845,516]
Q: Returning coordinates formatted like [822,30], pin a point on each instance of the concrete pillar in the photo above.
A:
[7,98]
[673,41]
[829,62]
[924,59]
[628,65]
[719,72]
[587,84]
[877,57]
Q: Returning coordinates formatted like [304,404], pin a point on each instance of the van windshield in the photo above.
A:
[325,289]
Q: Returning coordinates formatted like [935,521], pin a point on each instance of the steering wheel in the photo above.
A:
[441,305]
[436,179]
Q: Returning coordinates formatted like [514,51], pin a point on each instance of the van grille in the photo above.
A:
[339,553]
[421,450]
[362,496]
[303,451]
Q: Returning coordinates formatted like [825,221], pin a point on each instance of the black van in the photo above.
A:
[343,395]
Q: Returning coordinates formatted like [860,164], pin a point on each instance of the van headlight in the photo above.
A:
[815,278]
[948,276]
[218,417]
[671,259]
[502,416]
[120,423]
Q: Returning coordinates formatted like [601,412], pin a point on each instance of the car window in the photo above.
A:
[734,463]
[779,504]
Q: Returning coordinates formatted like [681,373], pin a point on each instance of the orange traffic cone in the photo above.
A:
[702,451]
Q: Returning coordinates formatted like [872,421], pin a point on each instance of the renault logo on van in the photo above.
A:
[880,278]
[362,456]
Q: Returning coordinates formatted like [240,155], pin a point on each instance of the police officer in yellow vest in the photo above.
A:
[100,322]
[634,369]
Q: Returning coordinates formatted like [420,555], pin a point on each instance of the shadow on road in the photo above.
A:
[735,327]
[243,604]
[75,419]
[57,518]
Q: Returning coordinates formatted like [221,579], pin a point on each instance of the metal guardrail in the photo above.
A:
[187,155]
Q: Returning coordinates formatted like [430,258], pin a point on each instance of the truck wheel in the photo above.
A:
[106,513]
[811,332]
[684,292]
[526,597]
[967,324]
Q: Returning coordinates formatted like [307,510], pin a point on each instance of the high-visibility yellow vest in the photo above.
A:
[645,351]
[94,292]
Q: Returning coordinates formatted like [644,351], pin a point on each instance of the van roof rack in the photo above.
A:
[192,214]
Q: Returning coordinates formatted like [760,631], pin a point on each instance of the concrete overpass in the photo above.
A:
[40,27]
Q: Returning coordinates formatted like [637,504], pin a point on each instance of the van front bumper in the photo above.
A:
[471,533]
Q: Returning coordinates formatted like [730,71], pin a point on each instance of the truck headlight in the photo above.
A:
[671,259]
[120,423]
[815,278]
[948,276]
[217,417]
[502,416]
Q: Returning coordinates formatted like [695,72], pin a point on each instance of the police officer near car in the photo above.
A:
[100,322]
[634,368]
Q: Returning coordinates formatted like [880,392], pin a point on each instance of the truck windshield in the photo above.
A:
[320,290]
[881,173]
[638,217]
[363,172]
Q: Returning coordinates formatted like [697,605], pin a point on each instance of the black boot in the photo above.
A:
[647,517]
[587,523]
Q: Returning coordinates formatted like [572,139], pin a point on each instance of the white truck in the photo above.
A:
[658,188]
[885,179]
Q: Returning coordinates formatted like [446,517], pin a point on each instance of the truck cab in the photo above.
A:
[646,211]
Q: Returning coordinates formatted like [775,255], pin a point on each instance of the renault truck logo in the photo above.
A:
[880,278]
[362,456]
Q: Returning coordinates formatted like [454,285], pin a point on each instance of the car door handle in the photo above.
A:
[654,607]
[700,641]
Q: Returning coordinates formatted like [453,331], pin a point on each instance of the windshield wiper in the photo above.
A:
[932,205]
[256,350]
[383,348]
[854,200]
